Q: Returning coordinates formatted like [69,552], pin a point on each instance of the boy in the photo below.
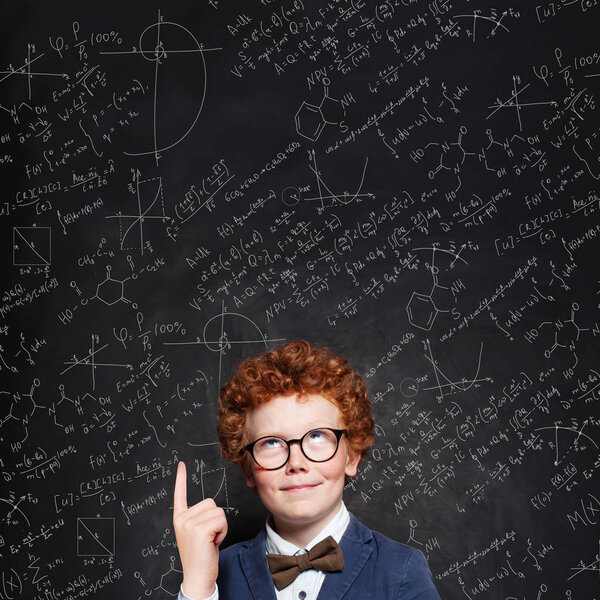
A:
[297,420]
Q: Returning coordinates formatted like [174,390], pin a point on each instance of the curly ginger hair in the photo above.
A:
[294,368]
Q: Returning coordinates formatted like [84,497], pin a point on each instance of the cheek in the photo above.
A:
[265,480]
[334,469]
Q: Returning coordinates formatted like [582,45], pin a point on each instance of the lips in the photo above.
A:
[300,488]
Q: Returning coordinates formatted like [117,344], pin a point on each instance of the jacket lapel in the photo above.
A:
[253,559]
[356,550]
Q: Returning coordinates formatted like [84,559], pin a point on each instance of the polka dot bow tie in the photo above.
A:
[324,556]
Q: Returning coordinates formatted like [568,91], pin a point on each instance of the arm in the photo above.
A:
[199,531]
[183,596]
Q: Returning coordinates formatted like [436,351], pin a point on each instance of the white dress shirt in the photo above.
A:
[307,585]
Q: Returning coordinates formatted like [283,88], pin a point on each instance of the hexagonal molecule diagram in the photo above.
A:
[110,291]
[311,118]
[422,309]
[171,580]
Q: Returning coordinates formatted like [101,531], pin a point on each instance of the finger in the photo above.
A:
[221,535]
[202,514]
[180,494]
[211,525]
[202,507]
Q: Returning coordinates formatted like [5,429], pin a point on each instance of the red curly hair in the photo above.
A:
[296,367]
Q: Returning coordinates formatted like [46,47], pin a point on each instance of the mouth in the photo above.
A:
[299,488]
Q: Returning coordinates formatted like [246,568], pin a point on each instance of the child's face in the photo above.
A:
[302,493]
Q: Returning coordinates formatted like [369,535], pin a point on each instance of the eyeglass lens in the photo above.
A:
[318,445]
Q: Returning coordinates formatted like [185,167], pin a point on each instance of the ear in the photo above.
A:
[249,476]
[352,460]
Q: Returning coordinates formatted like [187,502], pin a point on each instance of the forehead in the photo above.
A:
[291,416]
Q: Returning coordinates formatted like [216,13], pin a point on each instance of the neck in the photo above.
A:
[300,534]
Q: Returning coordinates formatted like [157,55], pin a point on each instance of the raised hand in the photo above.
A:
[199,531]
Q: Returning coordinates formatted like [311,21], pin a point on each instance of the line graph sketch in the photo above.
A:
[149,196]
[326,196]
[161,43]
[514,101]
[24,70]
[562,447]
[89,360]
[217,337]
[447,385]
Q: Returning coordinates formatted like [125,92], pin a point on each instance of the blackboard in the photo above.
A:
[414,184]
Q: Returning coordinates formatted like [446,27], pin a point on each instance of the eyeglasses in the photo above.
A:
[318,445]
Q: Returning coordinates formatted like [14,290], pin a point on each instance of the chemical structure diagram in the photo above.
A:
[423,308]
[451,155]
[311,118]
[567,334]
[110,291]
[169,581]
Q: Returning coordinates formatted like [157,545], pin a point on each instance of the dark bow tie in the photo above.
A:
[324,556]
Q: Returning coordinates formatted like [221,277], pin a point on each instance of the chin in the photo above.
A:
[301,511]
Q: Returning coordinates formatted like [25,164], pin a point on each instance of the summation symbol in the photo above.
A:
[135,222]
[177,55]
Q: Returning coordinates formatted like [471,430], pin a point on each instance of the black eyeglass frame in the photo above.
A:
[337,432]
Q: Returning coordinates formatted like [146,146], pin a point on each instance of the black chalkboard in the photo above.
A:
[414,184]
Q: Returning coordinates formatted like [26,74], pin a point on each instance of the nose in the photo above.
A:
[297,461]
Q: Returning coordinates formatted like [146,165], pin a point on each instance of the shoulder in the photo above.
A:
[230,555]
[404,557]
[232,552]
[404,566]
[381,543]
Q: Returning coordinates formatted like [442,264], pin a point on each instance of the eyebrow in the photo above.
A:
[283,437]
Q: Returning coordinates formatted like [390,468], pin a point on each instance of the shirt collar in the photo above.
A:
[275,544]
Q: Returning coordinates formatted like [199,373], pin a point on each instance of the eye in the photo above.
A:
[273,443]
[318,435]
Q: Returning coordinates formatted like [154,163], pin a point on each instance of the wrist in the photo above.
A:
[197,590]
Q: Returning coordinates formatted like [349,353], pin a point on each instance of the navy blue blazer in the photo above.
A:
[375,567]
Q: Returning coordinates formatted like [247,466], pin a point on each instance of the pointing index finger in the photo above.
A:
[180,494]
